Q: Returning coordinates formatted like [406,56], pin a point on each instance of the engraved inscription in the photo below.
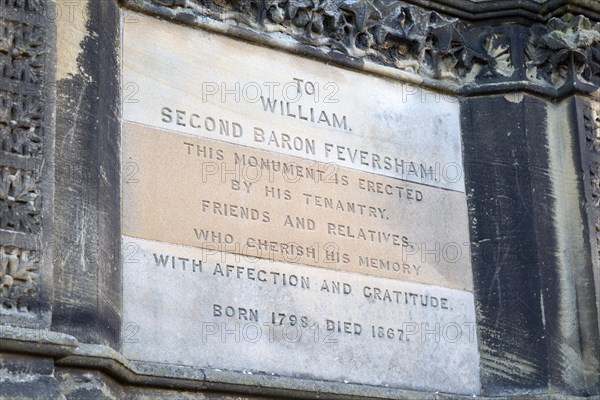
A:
[276,318]
[285,217]
[258,204]
[425,172]
[323,114]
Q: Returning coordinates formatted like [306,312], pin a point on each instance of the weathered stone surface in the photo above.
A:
[531,265]
[28,377]
[87,217]
[506,274]
[218,311]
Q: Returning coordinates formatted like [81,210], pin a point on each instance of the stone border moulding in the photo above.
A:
[69,352]
[405,42]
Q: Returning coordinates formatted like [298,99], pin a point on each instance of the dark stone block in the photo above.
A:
[28,377]
[504,234]
[87,276]
[530,337]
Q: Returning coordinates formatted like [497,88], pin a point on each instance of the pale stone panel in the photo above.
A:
[191,81]
[215,310]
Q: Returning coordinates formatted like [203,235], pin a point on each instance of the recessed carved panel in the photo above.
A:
[18,277]
[23,47]
[25,5]
[565,49]
[20,201]
[21,51]
[21,124]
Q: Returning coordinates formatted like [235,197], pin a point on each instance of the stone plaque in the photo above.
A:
[288,217]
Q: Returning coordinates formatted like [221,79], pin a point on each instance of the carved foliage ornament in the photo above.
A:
[21,51]
[407,37]
[17,266]
[565,47]
[26,5]
[388,32]
[591,119]
[22,58]
[21,124]
[22,78]
[19,200]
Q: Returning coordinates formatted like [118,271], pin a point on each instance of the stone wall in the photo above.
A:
[526,75]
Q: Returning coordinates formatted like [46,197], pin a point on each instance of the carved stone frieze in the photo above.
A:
[406,37]
[20,202]
[468,54]
[25,5]
[394,33]
[23,46]
[595,181]
[18,278]
[21,51]
[21,124]
[565,49]
[591,119]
